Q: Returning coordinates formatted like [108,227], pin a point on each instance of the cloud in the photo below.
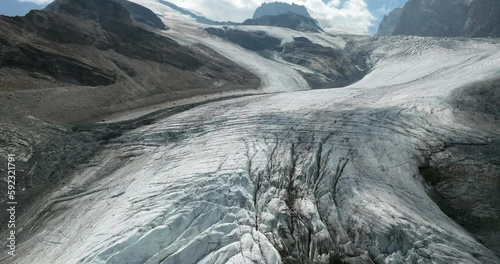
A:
[38,2]
[351,16]
[334,15]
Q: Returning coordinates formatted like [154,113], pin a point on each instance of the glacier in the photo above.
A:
[283,175]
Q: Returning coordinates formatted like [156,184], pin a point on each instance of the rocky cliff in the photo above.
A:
[278,8]
[143,15]
[289,20]
[484,19]
[389,22]
[444,18]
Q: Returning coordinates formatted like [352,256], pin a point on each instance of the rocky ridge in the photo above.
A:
[445,18]
[78,44]
[279,8]
[288,20]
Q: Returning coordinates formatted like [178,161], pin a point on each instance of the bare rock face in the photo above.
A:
[278,8]
[79,44]
[143,15]
[433,18]
[288,20]
[465,186]
[444,18]
[100,24]
[327,67]
[331,68]
[484,19]
[117,31]
[255,41]
[285,15]
[389,22]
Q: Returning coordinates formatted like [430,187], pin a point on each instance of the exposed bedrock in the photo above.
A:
[444,18]
[96,52]
[465,179]
[288,20]
[321,67]
[465,185]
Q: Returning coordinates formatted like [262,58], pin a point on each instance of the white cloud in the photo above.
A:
[39,2]
[336,15]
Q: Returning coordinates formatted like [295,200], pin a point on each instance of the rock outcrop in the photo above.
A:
[253,40]
[484,19]
[389,22]
[278,8]
[322,67]
[445,18]
[143,15]
[289,20]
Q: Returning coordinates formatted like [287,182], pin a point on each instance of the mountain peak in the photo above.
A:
[91,9]
[288,20]
[279,8]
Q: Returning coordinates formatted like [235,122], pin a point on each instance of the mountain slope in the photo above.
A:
[389,23]
[98,44]
[446,18]
[198,18]
[143,15]
[323,61]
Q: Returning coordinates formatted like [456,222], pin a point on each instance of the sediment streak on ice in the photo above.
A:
[303,175]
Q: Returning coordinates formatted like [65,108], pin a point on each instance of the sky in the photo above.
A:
[20,7]
[355,16]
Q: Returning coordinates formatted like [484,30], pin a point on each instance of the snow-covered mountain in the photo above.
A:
[400,165]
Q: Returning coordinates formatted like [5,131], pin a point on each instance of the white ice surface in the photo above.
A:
[181,190]
[186,189]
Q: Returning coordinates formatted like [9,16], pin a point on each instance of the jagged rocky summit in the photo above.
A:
[278,8]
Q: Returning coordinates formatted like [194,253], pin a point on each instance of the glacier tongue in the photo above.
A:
[300,177]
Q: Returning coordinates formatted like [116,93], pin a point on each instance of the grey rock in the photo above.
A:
[373,252]
[254,41]
[143,15]
[483,19]
[357,260]
[389,22]
[279,8]
[288,20]
[379,260]
[444,18]
[328,67]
